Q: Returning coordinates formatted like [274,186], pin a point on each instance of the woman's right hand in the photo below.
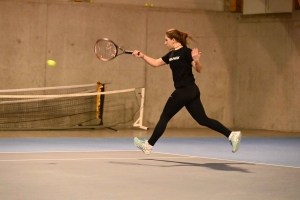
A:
[138,54]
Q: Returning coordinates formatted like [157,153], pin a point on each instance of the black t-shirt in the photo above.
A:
[180,62]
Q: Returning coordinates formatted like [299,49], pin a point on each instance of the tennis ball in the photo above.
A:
[151,5]
[51,63]
[146,4]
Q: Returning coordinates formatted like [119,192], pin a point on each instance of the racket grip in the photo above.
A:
[130,52]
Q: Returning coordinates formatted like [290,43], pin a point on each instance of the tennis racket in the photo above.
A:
[106,49]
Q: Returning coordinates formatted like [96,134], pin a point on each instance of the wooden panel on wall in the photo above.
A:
[296,5]
[236,5]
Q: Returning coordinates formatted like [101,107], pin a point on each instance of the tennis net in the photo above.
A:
[65,107]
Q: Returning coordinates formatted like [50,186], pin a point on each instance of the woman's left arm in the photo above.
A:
[196,60]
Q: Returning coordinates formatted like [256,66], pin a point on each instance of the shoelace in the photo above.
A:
[143,145]
[235,138]
[147,146]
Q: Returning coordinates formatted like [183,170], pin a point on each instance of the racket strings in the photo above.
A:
[106,50]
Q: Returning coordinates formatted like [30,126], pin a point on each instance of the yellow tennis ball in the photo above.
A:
[51,63]
[151,5]
[146,4]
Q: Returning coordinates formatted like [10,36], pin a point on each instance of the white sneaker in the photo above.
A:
[143,145]
[235,140]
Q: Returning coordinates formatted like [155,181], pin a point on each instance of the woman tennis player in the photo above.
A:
[181,60]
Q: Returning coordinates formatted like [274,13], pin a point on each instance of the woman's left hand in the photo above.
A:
[196,54]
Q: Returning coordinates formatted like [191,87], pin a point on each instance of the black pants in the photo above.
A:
[190,98]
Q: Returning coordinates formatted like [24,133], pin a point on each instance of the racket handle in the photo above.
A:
[130,52]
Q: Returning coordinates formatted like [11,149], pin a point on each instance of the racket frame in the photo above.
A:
[117,50]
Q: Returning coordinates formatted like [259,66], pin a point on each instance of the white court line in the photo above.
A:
[181,156]
[39,152]
[220,159]
[76,159]
[92,158]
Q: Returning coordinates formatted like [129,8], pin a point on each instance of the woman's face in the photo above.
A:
[169,43]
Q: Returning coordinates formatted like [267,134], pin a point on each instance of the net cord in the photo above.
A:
[48,88]
[31,99]
[64,95]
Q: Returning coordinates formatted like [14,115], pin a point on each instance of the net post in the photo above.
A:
[139,122]
[98,100]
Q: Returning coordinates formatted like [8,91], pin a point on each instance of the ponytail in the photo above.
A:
[179,36]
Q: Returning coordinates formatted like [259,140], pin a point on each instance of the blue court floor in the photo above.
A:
[283,151]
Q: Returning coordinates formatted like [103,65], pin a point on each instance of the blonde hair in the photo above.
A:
[179,36]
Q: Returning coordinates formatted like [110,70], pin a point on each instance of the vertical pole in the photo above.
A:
[139,121]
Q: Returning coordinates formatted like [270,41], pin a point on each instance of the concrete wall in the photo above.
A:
[267,94]
[66,32]
[215,5]
[249,79]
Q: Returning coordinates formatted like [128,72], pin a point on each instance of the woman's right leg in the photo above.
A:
[175,102]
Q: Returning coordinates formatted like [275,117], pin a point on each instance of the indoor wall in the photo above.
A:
[250,64]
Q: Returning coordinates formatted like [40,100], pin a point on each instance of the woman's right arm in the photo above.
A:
[151,61]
